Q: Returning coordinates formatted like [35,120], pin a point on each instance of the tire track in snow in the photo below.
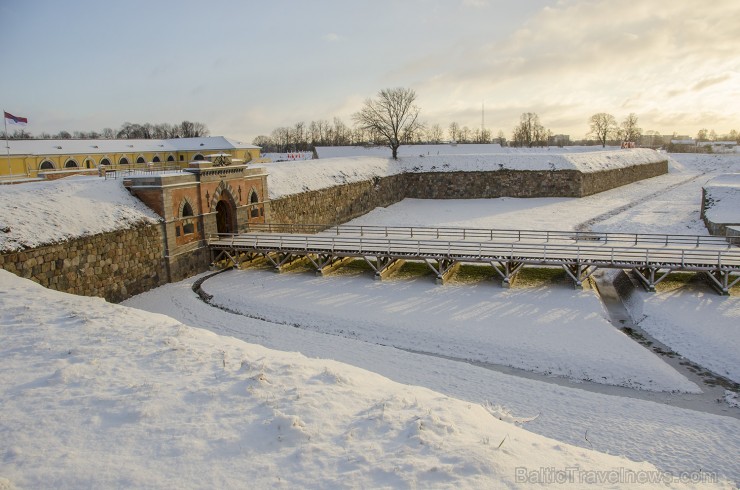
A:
[586,225]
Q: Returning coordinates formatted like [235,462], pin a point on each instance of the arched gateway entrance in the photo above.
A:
[225,217]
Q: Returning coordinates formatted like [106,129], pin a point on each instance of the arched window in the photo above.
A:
[105,161]
[156,159]
[46,165]
[140,160]
[187,210]
[253,200]
[198,157]
[70,164]
[123,161]
[170,158]
[89,163]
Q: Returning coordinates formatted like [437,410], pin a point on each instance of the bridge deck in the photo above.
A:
[652,257]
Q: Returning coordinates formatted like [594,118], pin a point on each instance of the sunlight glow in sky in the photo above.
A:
[246,67]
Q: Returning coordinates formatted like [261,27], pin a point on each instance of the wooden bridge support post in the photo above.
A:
[721,281]
[442,268]
[508,270]
[579,273]
[383,266]
[649,277]
[325,263]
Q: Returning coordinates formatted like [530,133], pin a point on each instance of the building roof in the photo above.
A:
[82,147]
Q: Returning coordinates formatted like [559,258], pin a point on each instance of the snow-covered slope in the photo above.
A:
[100,395]
[41,213]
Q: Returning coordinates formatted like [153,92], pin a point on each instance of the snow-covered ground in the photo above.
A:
[723,199]
[695,322]
[551,329]
[100,395]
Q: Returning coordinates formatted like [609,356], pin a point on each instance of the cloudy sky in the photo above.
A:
[245,67]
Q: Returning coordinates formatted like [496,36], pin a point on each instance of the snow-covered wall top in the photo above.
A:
[42,213]
[722,199]
[287,178]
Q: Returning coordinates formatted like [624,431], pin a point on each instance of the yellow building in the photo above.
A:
[57,158]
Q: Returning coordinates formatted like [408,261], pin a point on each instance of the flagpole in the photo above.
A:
[7,148]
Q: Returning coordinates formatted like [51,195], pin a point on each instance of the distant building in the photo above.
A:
[719,146]
[560,140]
[55,158]
[685,142]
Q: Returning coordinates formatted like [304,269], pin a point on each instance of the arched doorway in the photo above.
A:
[225,217]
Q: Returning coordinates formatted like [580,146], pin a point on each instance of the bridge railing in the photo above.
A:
[462,250]
[483,234]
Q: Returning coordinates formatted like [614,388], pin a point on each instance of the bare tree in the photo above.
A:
[702,135]
[529,132]
[501,138]
[454,131]
[464,135]
[342,133]
[629,130]
[393,115]
[434,135]
[603,126]
[484,136]
[193,129]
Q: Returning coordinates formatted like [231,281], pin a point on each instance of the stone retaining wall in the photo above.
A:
[595,182]
[114,265]
[338,204]
[488,185]
[342,203]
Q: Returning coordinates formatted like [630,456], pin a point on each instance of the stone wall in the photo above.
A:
[342,203]
[338,204]
[487,185]
[595,182]
[188,263]
[113,265]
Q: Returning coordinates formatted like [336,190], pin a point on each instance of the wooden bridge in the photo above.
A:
[651,256]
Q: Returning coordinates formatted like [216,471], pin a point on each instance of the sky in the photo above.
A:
[246,67]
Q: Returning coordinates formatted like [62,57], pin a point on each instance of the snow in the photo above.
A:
[722,195]
[100,395]
[696,322]
[43,213]
[531,329]
[104,395]
[286,178]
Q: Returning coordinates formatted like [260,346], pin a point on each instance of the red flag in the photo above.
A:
[20,121]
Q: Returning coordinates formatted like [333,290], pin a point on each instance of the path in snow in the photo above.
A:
[612,213]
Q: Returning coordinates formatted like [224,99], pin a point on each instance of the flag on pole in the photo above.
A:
[19,121]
